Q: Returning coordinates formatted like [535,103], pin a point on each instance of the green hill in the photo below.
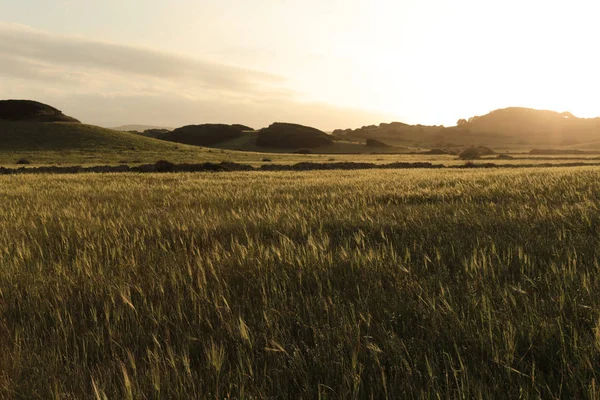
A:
[73,143]
[58,136]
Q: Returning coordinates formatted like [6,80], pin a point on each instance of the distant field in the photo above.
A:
[344,284]
[193,154]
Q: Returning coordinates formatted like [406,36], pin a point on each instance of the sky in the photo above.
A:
[325,63]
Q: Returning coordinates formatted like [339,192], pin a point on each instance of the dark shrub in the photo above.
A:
[23,161]
[303,151]
[164,166]
[470,154]
[485,151]
[266,160]
[473,153]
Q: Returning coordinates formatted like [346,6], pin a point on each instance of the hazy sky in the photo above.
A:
[326,63]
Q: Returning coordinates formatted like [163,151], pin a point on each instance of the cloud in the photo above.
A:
[113,84]
[27,45]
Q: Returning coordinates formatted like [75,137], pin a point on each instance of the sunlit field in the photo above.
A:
[337,284]
[192,154]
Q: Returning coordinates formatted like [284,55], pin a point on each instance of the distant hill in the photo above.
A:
[509,126]
[394,133]
[277,137]
[292,136]
[586,146]
[31,111]
[535,126]
[138,128]
[203,135]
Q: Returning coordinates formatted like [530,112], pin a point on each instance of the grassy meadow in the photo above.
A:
[340,284]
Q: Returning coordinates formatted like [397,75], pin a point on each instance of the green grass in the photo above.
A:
[345,284]
[58,136]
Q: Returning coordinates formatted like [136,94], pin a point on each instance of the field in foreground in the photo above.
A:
[343,284]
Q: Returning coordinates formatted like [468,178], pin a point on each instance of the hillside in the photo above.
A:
[394,133]
[27,125]
[514,126]
[68,136]
[32,132]
[535,126]
[31,111]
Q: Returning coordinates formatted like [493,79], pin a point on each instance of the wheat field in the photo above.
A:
[339,284]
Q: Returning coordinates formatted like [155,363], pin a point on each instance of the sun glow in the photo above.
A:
[436,61]
[417,61]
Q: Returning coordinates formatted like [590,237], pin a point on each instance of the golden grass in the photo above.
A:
[343,284]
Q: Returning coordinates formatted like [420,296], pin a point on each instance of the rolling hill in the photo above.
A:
[75,143]
[513,126]
[35,133]
[40,134]
[535,126]
[277,138]
[38,131]
[27,125]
